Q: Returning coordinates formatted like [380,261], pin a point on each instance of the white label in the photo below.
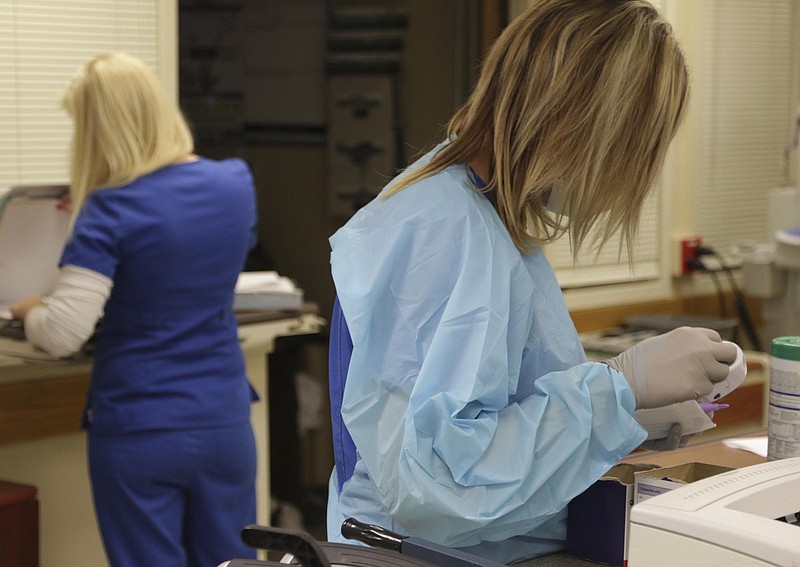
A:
[784,409]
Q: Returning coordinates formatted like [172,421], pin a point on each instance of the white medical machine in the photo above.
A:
[746,517]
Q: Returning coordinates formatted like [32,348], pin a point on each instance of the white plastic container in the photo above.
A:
[784,399]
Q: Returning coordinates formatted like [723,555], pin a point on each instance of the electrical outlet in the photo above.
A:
[685,252]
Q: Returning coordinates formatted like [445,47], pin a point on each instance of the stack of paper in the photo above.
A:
[266,291]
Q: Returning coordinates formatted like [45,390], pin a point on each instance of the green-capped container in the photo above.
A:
[784,398]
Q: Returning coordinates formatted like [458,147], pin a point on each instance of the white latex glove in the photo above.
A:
[683,364]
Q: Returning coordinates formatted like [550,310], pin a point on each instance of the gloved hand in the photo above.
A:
[673,440]
[680,365]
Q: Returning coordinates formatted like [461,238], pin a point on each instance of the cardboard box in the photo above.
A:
[653,482]
[598,523]
[598,520]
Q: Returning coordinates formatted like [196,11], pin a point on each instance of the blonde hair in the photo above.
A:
[584,95]
[125,125]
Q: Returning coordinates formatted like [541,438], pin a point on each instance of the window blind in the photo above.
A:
[612,265]
[42,43]
[747,106]
[609,266]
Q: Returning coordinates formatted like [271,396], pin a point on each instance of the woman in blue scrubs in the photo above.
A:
[159,238]
[464,410]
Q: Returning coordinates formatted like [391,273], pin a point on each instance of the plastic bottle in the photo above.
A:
[784,399]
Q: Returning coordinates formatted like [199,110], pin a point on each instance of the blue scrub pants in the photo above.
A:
[174,498]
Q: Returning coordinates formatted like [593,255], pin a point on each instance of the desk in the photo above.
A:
[41,442]
[709,452]
[257,333]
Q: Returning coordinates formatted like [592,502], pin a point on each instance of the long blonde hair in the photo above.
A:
[124,124]
[585,95]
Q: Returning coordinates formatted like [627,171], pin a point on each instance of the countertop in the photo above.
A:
[16,369]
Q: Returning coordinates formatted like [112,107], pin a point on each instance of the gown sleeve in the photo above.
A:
[439,307]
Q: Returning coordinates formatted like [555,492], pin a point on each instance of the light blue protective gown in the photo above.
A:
[474,412]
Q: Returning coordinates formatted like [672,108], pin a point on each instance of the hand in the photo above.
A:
[20,309]
[683,364]
[673,440]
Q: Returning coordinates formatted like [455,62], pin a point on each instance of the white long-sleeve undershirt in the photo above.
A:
[63,324]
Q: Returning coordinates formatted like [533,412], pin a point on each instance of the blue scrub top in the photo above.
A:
[173,242]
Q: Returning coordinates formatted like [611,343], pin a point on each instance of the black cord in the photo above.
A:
[739,300]
[698,264]
[723,308]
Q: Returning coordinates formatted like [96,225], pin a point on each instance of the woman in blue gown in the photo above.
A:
[464,409]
